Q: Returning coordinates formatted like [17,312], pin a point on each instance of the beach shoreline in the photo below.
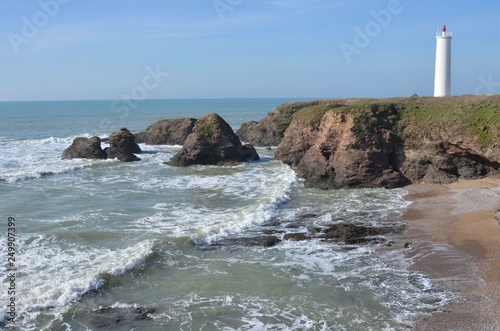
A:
[455,239]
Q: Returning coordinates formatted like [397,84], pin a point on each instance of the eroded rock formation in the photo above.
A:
[270,130]
[168,132]
[85,148]
[330,150]
[122,146]
[391,142]
[213,142]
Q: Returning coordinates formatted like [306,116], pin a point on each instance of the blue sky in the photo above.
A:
[108,49]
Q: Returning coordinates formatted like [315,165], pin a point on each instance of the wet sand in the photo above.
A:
[456,241]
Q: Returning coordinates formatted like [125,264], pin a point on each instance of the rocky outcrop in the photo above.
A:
[169,131]
[85,148]
[270,130]
[351,234]
[393,142]
[443,163]
[213,142]
[331,150]
[122,146]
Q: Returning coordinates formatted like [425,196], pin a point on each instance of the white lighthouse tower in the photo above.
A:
[442,78]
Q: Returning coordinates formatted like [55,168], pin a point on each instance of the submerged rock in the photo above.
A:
[262,241]
[295,237]
[351,234]
[110,317]
[213,142]
[85,148]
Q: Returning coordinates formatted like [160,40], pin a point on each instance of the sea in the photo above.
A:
[86,244]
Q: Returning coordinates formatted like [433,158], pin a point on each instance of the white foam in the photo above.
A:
[238,200]
[52,273]
[27,159]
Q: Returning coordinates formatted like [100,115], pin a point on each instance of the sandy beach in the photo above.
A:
[455,239]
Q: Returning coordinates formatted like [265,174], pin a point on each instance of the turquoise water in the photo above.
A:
[93,234]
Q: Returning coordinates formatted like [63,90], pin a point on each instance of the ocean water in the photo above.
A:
[94,234]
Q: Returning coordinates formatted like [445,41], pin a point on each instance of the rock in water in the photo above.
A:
[85,148]
[125,140]
[213,142]
[169,132]
[122,146]
[111,317]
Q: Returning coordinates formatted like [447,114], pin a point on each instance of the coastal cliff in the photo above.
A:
[385,142]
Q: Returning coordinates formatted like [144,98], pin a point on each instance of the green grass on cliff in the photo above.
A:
[473,118]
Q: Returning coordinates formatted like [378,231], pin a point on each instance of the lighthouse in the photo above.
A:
[442,78]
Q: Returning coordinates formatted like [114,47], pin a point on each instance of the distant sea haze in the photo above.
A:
[98,239]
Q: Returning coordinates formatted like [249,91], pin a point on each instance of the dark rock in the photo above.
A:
[293,225]
[415,167]
[307,216]
[263,241]
[122,146]
[124,140]
[408,245]
[438,176]
[110,318]
[295,236]
[142,313]
[271,223]
[169,132]
[444,163]
[213,142]
[314,230]
[121,155]
[497,215]
[140,137]
[352,234]
[85,148]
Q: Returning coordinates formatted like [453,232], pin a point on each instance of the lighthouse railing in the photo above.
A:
[444,34]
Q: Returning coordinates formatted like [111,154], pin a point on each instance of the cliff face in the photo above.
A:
[270,130]
[393,142]
[330,148]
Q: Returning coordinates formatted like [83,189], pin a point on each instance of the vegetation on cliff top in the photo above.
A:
[475,118]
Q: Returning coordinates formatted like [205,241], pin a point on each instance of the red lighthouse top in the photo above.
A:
[444,28]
